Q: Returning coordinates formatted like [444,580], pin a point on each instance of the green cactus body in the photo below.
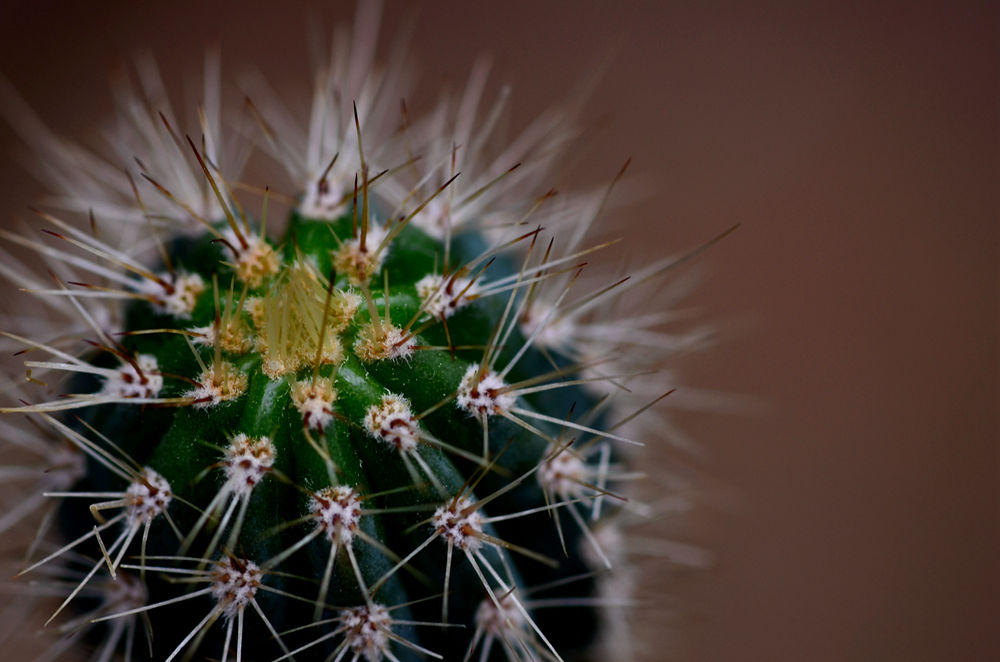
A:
[340,435]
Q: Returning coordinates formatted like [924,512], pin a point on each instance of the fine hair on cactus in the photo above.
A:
[387,410]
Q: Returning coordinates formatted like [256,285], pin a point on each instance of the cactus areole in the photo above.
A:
[339,448]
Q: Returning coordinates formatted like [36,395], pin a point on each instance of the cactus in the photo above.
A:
[392,428]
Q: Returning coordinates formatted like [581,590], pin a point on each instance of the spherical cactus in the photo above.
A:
[392,427]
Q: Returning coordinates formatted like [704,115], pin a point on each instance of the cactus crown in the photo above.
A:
[384,433]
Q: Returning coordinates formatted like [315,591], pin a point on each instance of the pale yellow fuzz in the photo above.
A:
[378,341]
[254,307]
[256,262]
[236,336]
[358,265]
[291,317]
[358,260]
[219,384]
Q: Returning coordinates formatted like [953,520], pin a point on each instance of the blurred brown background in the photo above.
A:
[857,143]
